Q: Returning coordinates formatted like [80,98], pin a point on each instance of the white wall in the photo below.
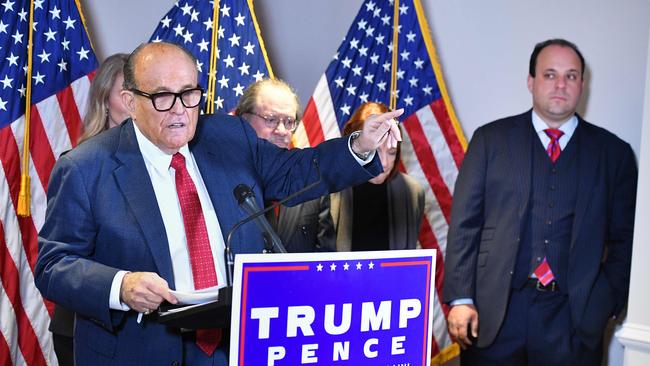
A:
[483,47]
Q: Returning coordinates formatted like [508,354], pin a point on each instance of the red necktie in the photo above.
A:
[198,244]
[543,272]
[553,149]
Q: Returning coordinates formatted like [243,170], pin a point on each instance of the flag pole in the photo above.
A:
[393,70]
[24,195]
[260,39]
[212,72]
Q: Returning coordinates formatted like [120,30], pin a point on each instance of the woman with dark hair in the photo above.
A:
[385,212]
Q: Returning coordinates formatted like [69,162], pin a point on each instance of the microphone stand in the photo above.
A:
[229,255]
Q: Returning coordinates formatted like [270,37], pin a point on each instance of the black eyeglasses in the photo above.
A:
[164,101]
[273,122]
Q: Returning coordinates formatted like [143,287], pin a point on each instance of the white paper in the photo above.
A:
[197,297]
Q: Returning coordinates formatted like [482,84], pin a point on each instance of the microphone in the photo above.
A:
[246,199]
[257,213]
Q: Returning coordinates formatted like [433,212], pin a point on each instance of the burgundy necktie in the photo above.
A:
[198,244]
[553,149]
[543,272]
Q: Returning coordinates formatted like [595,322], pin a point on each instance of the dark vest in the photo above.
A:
[552,200]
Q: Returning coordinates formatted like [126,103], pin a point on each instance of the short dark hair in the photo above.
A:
[554,42]
[129,65]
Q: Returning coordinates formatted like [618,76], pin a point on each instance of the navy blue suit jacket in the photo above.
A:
[489,213]
[102,217]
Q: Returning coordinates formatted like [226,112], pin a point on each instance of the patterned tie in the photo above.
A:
[543,272]
[198,243]
[553,149]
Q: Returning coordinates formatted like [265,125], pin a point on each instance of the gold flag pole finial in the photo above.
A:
[24,196]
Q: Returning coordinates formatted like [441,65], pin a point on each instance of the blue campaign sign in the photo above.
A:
[345,308]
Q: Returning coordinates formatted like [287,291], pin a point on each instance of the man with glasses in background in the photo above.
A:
[144,208]
[272,108]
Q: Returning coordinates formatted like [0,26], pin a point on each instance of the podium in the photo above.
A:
[215,314]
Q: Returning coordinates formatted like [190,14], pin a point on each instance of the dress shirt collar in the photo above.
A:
[568,127]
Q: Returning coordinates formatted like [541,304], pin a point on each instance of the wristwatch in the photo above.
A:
[353,136]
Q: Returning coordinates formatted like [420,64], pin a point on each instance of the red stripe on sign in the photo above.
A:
[70,114]
[40,148]
[27,341]
[428,163]
[312,124]
[446,126]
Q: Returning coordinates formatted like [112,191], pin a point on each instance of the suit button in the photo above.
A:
[551,205]
[175,363]
[512,272]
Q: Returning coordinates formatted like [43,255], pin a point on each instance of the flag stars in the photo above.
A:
[250,48]
[165,21]
[66,44]
[418,63]
[376,13]
[400,74]
[371,265]
[346,266]
[413,82]
[229,61]
[333,267]
[187,8]
[386,66]
[56,13]
[178,29]
[364,97]
[23,15]
[243,69]
[374,58]
[385,20]
[352,90]
[83,54]
[319,268]
[339,82]
[403,9]
[354,43]
[380,39]
[18,37]
[208,24]
[221,32]
[234,40]
[223,82]
[369,78]
[225,11]
[199,66]
[370,6]
[50,35]
[410,37]
[370,32]
[194,17]
[362,24]
[240,19]
[9,5]
[38,78]
[22,90]
[45,57]
[3,27]
[346,109]
[3,105]
[239,90]
[381,86]
[405,55]
[187,37]
[427,90]
[363,51]
[357,70]
[408,100]
[69,23]
[346,62]
[13,59]
[358,266]
[63,66]
[258,75]
[6,82]
[203,45]
[219,102]
[38,4]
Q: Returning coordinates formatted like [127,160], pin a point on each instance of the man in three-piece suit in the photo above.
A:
[144,208]
[540,240]
[272,108]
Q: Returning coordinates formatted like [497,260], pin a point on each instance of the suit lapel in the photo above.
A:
[588,161]
[135,184]
[519,140]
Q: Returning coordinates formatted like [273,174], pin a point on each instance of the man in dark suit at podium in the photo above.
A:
[540,239]
[273,109]
[144,208]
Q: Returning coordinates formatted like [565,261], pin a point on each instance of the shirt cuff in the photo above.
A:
[360,161]
[114,301]
[463,301]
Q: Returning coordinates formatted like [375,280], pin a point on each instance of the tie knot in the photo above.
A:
[553,133]
[178,161]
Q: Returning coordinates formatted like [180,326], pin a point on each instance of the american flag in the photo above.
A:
[237,49]
[63,64]
[433,145]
